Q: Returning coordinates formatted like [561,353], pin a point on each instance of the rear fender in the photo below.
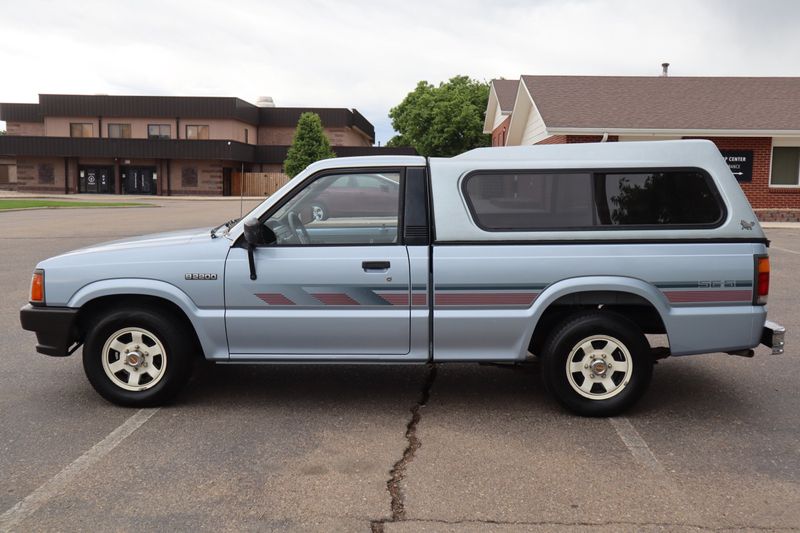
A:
[565,287]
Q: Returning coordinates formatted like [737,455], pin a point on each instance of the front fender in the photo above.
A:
[209,323]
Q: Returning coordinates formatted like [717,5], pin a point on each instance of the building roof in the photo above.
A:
[666,103]
[184,107]
[506,91]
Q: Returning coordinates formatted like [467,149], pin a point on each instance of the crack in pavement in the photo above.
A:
[587,524]
[398,472]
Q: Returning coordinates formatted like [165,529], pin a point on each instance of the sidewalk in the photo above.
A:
[122,197]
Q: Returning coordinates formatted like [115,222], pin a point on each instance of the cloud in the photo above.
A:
[369,54]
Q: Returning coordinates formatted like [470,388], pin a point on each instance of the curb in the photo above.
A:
[123,197]
[39,208]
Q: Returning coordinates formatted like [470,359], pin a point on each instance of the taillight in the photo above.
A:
[37,287]
[762,280]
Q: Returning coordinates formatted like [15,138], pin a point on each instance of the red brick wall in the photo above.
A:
[590,139]
[554,139]
[758,191]
[497,134]
[571,139]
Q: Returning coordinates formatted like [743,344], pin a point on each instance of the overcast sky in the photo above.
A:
[369,54]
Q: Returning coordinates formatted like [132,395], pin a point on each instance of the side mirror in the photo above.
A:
[257,234]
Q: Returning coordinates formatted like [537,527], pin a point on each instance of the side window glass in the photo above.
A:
[585,200]
[341,209]
[656,198]
[530,201]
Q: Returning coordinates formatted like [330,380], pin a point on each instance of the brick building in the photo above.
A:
[157,144]
[755,122]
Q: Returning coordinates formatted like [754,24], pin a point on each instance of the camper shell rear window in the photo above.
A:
[529,200]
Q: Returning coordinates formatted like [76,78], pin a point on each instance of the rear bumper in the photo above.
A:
[55,328]
[772,336]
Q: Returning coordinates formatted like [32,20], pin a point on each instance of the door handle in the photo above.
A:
[375,265]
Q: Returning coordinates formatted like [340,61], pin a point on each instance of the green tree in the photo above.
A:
[442,121]
[2,132]
[309,145]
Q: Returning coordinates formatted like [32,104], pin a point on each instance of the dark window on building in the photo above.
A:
[657,198]
[5,174]
[46,173]
[575,200]
[159,131]
[785,166]
[196,132]
[81,129]
[189,177]
[119,131]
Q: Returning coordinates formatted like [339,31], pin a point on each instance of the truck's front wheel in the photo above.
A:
[137,357]
[597,363]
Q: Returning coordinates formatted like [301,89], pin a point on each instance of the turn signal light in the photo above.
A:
[762,279]
[37,287]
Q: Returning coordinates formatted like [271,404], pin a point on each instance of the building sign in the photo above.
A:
[741,163]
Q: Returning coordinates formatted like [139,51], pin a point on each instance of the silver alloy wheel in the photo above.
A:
[134,359]
[317,212]
[599,367]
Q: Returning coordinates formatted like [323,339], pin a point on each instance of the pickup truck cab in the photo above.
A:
[572,253]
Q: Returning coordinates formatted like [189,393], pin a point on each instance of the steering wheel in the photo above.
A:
[297,227]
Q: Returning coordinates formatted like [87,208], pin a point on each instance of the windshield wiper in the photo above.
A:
[228,225]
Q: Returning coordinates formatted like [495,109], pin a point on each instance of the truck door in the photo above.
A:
[338,287]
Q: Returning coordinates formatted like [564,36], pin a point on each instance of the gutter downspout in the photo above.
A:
[605,137]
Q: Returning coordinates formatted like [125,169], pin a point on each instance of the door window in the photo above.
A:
[354,209]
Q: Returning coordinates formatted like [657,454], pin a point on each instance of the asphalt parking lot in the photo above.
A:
[714,445]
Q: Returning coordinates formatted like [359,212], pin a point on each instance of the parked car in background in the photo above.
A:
[355,196]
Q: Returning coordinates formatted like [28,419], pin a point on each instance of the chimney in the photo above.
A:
[664,70]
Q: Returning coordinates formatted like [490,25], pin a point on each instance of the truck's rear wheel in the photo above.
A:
[137,357]
[597,363]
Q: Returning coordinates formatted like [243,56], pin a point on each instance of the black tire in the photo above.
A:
[178,346]
[575,331]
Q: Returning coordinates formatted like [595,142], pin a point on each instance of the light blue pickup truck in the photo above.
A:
[568,253]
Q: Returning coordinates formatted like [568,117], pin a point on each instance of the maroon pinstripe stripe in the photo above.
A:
[708,296]
[495,298]
[419,299]
[395,298]
[274,298]
[334,298]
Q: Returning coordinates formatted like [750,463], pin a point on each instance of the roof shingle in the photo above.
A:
[680,103]
[506,91]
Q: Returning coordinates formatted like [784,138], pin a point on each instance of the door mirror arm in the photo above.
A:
[256,234]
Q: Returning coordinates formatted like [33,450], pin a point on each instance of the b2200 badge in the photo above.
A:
[199,276]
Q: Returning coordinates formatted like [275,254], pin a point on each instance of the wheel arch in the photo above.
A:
[637,300]
[109,294]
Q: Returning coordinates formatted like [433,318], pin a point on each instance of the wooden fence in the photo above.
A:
[257,183]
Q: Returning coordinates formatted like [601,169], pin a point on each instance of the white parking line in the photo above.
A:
[59,483]
[773,247]
[636,444]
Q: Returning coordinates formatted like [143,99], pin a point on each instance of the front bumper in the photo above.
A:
[55,328]
[772,336]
